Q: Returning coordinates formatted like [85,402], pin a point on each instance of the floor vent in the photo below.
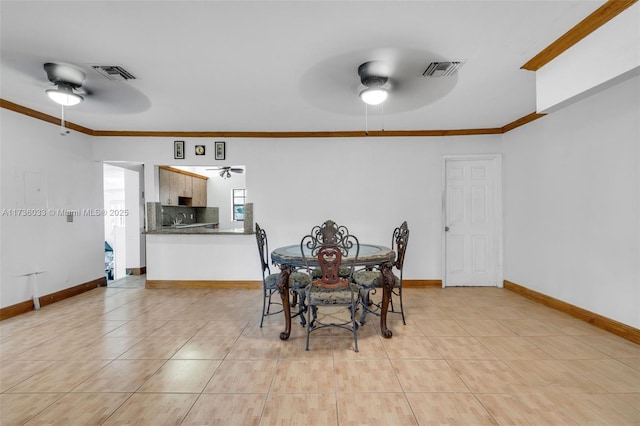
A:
[114,72]
[441,69]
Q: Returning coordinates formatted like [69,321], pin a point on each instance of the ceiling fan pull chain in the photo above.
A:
[366,120]
[63,131]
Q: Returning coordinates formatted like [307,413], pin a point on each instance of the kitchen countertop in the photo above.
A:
[197,229]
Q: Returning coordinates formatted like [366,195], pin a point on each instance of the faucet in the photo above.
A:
[178,220]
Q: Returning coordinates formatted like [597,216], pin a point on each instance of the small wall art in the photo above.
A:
[220,150]
[178,150]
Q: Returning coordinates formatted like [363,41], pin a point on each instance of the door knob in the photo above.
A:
[446,229]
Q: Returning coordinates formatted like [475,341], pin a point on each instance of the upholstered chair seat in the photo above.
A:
[371,279]
[317,295]
[297,280]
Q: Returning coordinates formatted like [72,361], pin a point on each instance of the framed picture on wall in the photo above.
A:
[220,154]
[178,150]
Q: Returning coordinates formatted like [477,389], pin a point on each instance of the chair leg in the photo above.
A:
[392,307]
[364,301]
[301,308]
[401,307]
[309,321]
[270,295]
[354,326]
[264,305]
[312,318]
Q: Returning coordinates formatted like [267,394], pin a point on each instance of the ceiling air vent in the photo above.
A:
[441,69]
[114,72]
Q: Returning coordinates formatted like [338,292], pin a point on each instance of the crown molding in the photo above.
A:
[44,117]
[595,20]
[269,135]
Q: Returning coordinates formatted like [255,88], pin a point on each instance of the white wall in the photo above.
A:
[42,170]
[203,257]
[369,184]
[572,204]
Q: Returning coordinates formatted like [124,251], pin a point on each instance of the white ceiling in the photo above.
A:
[282,66]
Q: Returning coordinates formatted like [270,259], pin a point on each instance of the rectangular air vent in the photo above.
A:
[441,69]
[114,72]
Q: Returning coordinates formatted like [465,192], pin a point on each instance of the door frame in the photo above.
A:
[497,212]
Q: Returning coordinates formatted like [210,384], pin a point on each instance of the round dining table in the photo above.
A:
[290,257]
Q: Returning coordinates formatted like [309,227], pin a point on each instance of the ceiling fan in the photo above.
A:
[342,83]
[108,90]
[89,88]
[225,171]
[68,80]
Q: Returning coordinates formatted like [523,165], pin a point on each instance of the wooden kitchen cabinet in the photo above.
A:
[199,193]
[183,185]
[178,187]
[168,188]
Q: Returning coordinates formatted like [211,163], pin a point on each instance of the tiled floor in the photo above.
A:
[127,355]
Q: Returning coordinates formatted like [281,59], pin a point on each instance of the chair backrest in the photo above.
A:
[329,261]
[399,242]
[328,246]
[263,249]
[329,232]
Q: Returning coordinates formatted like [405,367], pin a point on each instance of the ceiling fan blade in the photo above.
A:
[237,170]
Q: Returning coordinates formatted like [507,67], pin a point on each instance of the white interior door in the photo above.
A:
[473,221]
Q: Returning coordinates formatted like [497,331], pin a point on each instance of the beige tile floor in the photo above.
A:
[127,355]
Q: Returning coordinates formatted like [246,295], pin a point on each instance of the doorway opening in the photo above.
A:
[123,219]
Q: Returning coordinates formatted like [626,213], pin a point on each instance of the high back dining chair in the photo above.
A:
[368,281]
[330,249]
[329,232]
[298,281]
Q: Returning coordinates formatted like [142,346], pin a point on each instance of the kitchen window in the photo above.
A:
[239,197]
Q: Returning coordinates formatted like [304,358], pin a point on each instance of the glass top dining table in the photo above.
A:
[370,255]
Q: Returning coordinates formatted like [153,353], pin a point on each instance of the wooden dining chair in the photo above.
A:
[369,281]
[330,253]
[298,281]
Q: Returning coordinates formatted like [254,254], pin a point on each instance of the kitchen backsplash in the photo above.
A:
[159,216]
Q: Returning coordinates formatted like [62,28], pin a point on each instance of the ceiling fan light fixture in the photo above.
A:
[374,75]
[374,95]
[64,95]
